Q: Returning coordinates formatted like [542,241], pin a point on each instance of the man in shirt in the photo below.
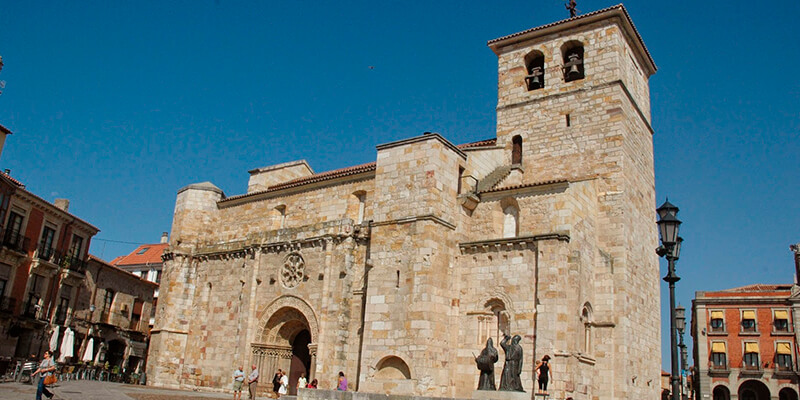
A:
[238,381]
[252,382]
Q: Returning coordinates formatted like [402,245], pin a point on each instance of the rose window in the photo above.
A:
[293,271]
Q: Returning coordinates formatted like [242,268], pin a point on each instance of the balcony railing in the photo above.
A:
[16,241]
[73,263]
[31,310]
[47,253]
[7,304]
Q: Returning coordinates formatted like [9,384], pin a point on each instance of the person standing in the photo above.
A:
[276,381]
[238,381]
[342,384]
[284,389]
[545,373]
[302,381]
[46,369]
[252,382]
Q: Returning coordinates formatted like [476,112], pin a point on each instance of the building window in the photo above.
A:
[279,217]
[108,300]
[516,150]
[534,65]
[136,315]
[77,247]
[781,320]
[748,321]
[61,312]
[717,321]
[586,318]
[460,179]
[572,53]
[35,288]
[46,244]
[750,360]
[719,358]
[783,356]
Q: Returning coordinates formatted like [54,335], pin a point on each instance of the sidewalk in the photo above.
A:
[94,390]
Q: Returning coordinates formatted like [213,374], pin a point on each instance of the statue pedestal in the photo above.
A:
[499,395]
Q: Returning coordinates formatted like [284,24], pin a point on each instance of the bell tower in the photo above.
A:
[574,105]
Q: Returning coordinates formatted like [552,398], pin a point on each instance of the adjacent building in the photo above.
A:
[145,262]
[397,271]
[42,267]
[745,342]
[113,308]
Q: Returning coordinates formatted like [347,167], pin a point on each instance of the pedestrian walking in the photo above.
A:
[252,382]
[238,381]
[44,371]
[302,381]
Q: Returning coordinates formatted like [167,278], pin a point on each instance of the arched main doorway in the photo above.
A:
[753,390]
[721,393]
[115,353]
[787,394]
[285,341]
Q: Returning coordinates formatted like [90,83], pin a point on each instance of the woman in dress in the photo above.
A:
[342,384]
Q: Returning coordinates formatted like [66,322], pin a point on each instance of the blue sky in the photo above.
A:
[117,106]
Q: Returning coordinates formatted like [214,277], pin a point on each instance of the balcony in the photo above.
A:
[73,264]
[46,253]
[7,305]
[16,241]
[31,310]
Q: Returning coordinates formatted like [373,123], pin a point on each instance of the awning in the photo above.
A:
[749,314]
[717,315]
[783,348]
[751,347]
[781,314]
[718,347]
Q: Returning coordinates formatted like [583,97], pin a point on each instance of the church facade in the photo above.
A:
[396,272]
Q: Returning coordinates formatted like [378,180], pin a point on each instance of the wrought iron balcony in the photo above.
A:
[47,253]
[7,304]
[73,263]
[16,241]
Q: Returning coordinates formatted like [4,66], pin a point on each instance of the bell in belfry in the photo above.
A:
[574,61]
[534,78]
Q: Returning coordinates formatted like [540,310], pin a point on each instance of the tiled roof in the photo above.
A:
[150,254]
[338,173]
[480,143]
[758,287]
[582,16]
[109,265]
[525,185]
[16,182]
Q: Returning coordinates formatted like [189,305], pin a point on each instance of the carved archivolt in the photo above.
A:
[286,315]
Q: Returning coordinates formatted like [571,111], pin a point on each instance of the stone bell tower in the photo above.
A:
[574,104]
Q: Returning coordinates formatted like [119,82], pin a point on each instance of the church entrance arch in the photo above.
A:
[285,341]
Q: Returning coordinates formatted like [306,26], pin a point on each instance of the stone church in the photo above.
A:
[397,271]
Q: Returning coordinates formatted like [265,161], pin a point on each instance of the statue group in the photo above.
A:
[512,368]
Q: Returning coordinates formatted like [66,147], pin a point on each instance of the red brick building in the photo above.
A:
[43,255]
[745,342]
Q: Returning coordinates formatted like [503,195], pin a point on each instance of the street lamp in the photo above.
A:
[680,325]
[668,227]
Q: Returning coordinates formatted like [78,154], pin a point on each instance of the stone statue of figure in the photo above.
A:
[510,380]
[485,363]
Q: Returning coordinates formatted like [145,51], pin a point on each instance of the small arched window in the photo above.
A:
[534,65]
[279,217]
[510,222]
[586,318]
[516,150]
[572,54]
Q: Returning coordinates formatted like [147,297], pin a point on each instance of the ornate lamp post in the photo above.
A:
[680,324]
[668,226]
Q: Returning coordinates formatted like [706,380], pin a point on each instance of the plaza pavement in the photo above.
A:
[94,390]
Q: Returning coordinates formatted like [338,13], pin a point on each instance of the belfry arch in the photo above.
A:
[285,339]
